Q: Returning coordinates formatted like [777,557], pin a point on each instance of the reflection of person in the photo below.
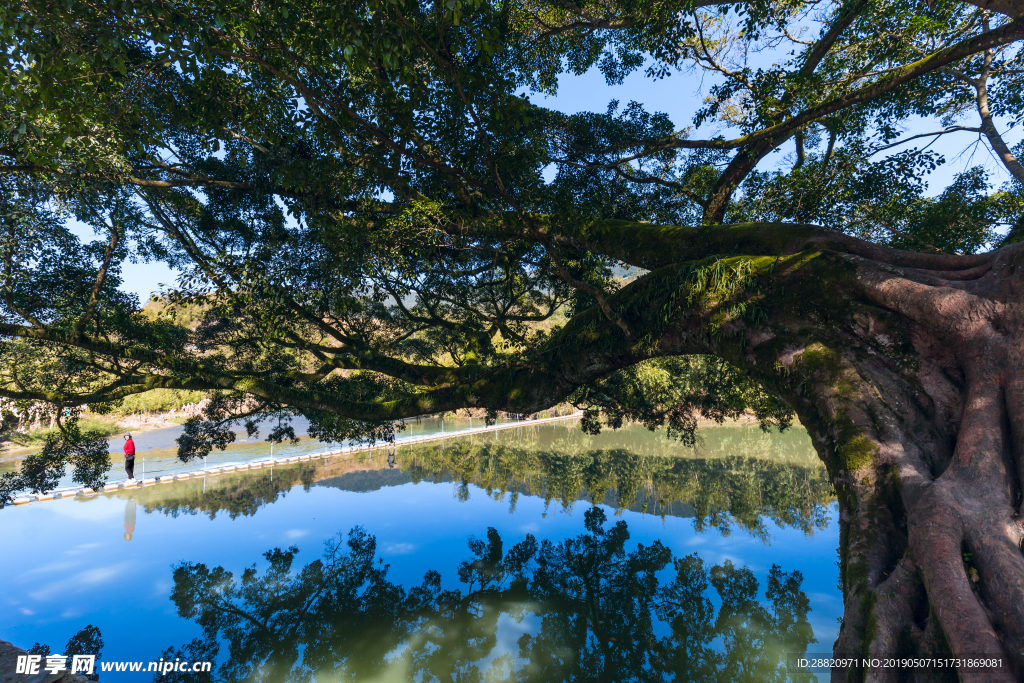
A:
[129,456]
[129,519]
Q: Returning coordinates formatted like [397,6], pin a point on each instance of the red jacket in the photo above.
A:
[129,449]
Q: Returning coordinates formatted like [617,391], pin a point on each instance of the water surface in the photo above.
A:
[535,554]
[157,449]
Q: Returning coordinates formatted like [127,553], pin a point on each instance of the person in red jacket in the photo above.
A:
[129,456]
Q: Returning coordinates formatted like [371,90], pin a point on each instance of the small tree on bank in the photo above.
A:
[359,199]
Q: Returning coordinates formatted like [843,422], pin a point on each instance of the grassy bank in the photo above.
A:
[36,438]
[150,410]
[157,401]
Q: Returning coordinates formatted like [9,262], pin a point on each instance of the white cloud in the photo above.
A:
[398,549]
[56,567]
[816,597]
[296,533]
[81,581]
[81,548]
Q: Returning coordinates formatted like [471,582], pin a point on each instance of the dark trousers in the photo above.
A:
[129,467]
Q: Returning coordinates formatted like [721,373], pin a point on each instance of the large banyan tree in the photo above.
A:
[375,216]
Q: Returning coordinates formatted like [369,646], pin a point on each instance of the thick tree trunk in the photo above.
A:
[913,393]
[908,371]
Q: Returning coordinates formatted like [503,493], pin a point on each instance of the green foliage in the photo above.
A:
[676,391]
[212,428]
[156,401]
[359,200]
[885,201]
[86,452]
[38,437]
[187,314]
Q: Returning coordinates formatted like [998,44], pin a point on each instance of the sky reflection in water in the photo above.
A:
[677,579]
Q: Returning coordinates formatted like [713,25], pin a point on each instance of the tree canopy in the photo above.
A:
[375,216]
[379,218]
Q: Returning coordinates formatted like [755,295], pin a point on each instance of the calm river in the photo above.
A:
[533,554]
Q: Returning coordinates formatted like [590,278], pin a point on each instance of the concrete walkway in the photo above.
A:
[260,463]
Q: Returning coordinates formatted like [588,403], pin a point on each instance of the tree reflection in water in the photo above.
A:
[591,608]
[723,492]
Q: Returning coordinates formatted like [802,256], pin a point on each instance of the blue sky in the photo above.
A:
[678,96]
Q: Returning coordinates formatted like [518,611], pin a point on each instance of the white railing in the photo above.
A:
[270,462]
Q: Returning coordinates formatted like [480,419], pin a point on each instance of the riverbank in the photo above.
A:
[26,443]
[23,429]
[16,445]
[256,460]
[164,467]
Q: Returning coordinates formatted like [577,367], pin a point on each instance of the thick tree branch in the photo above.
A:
[101,277]
[895,78]
[843,19]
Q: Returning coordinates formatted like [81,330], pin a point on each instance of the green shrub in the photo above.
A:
[157,401]
[38,437]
